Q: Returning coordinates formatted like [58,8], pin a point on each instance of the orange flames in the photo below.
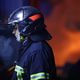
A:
[66,38]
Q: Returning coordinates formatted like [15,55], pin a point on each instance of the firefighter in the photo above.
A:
[35,60]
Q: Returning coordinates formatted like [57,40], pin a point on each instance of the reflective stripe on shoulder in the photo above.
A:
[40,75]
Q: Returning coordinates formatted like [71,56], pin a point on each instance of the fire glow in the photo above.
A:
[66,35]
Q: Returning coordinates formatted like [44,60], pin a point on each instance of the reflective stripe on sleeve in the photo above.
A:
[40,75]
[19,70]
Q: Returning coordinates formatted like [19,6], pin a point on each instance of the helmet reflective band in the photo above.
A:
[35,17]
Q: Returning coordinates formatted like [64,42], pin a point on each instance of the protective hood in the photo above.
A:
[41,34]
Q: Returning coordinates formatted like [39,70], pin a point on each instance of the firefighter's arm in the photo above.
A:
[40,69]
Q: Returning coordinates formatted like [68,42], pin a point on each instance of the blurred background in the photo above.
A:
[62,18]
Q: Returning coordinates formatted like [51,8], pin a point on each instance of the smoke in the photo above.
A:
[8,51]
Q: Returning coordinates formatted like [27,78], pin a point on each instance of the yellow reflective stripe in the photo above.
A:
[40,75]
[19,71]
[21,38]
[19,76]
